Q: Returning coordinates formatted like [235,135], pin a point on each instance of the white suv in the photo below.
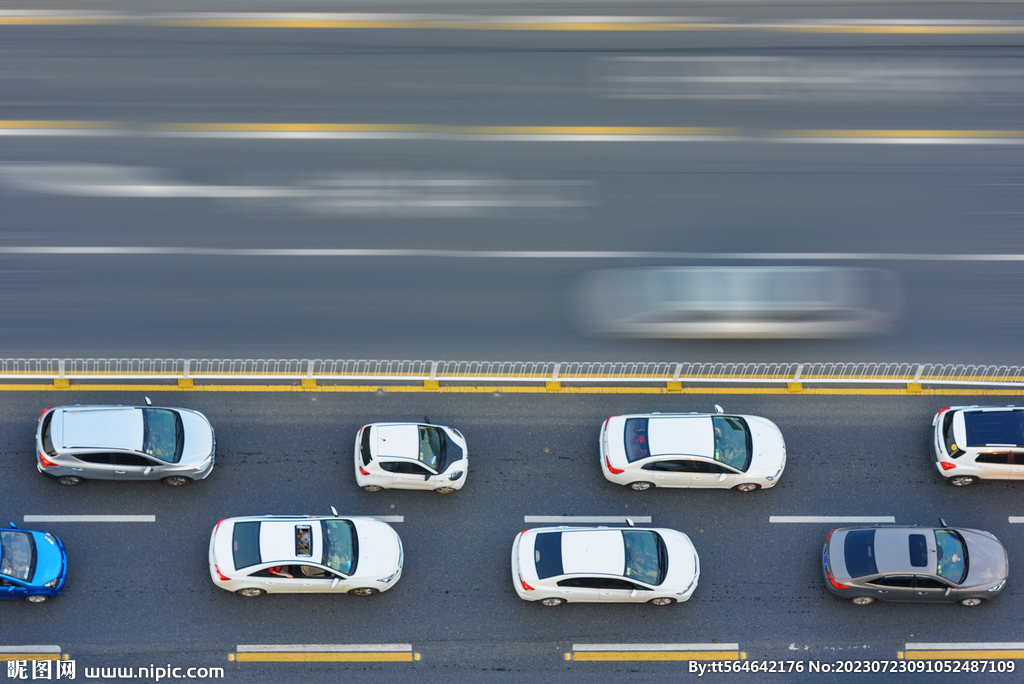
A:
[972,443]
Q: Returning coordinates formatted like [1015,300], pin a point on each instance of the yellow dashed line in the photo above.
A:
[324,657]
[655,655]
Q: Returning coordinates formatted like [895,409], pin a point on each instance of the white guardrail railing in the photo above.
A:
[312,370]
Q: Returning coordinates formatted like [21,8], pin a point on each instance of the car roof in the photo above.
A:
[599,552]
[690,434]
[277,541]
[401,440]
[1003,426]
[115,427]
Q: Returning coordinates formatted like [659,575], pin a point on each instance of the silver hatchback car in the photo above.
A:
[75,443]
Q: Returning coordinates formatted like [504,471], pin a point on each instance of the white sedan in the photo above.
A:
[715,450]
[410,456]
[556,565]
[257,555]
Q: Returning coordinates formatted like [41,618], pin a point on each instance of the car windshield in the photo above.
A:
[17,554]
[163,436]
[646,557]
[432,447]
[341,547]
[732,441]
[951,561]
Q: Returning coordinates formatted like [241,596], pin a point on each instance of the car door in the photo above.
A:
[313,578]
[668,472]
[276,582]
[928,589]
[715,475]
[1017,465]
[893,588]
[133,467]
[11,590]
[97,466]
[995,465]
[580,589]
[618,590]
[408,474]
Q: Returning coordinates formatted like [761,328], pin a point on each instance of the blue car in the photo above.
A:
[33,565]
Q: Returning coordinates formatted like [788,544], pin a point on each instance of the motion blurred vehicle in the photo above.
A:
[556,565]
[736,302]
[75,443]
[646,450]
[410,456]
[918,564]
[33,565]
[257,555]
[972,443]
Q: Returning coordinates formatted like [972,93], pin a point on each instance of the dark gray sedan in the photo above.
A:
[918,564]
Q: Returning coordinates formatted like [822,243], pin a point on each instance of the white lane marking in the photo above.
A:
[90,518]
[586,518]
[1017,518]
[388,518]
[29,649]
[982,646]
[899,141]
[322,648]
[655,647]
[832,519]
[511,254]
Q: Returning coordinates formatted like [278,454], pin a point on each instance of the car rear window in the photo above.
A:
[364,448]
[547,554]
[637,446]
[245,544]
[947,436]
[918,551]
[994,427]
[47,439]
[860,553]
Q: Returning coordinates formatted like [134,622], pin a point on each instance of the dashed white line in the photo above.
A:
[1017,518]
[832,519]
[655,647]
[388,518]
[322,648]
[90,518]
[29,649]
[586,518]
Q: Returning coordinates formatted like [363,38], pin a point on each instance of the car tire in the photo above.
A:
[551,601]
[971,602]
[176,481]
[251,592]
[372,488]
[445,490]
[962,480]
[662,601]
[37,598]
[640,486]
[862,600]
[69,480]
[363,591]
[747,487]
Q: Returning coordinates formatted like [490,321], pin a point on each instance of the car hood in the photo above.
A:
[768,446]
[986,557]
[683,564]
[50,558]
[380,549]
[198,437]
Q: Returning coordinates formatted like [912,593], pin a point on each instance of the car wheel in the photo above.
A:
[971,602]
[640,486]
[662,601]
[69,480]
[551,601]
[445,490]
[363,591]
[372,488]
[176,481]
[251,592]
[962,480]
[747,487]
[37,598]
[862,600]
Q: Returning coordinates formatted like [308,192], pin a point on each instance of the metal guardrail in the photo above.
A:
[509,371]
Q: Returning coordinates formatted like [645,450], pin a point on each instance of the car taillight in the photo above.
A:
[363,471]
[217,526]
[44,462]
[44,412]
[614,471]
[835,584]
[605,428]
[829,536]
[526,586]
[946,465]
[944,410]
[221,575]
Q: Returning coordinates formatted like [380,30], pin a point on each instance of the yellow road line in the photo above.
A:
[58,124]
[324,657]
[655,655]
[964,655]
[508,389]
[440,129]
[884,133]
[29,656]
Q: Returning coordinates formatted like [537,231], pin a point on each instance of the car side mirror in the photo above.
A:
[721,478]
[148,402]
[719,408]
[334,511]
[11,523]
[148,470]
[943,522]
[335,582]
[426,477]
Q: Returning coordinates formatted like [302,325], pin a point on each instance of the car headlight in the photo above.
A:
[998,586]
[204,464]
[56,580]
[391,576]
[455,476]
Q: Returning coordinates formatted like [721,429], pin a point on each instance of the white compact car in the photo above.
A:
[692,450]
[257,555]
[410,456]
[972,443]
[556,565]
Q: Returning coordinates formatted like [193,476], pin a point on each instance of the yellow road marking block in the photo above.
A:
[29,656]
[964,655]
[324,657]
[655,655]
